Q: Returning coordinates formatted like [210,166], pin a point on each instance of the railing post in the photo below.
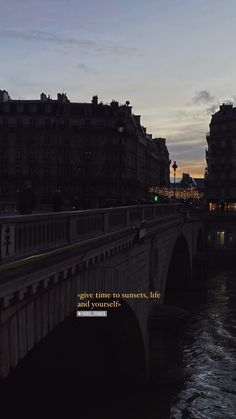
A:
[72,230]
[142,212]
[106,226]
[127,217]
[7,241]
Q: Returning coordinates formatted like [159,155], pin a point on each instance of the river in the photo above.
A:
[209,390]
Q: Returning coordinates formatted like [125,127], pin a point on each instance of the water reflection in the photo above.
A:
[210,355]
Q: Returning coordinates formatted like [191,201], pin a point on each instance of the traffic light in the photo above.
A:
[156,198]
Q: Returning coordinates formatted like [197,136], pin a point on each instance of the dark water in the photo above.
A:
[209,389]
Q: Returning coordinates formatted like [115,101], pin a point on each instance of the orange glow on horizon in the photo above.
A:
[195,169]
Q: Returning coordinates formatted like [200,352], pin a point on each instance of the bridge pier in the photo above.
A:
[166,325]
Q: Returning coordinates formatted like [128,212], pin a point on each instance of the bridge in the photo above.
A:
[47,260]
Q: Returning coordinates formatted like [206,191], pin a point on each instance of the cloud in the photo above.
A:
[51,38]
[212,109]
[203,97]
[85,68]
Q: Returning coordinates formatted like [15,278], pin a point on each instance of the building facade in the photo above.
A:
[220,178]
[94,151]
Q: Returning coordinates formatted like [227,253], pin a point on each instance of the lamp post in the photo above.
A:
[120,129]
[174,167]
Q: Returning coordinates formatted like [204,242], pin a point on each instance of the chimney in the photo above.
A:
[95,100]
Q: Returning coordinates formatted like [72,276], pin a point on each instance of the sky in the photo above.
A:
[173,60]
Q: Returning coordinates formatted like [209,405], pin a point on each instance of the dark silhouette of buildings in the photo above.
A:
[94,151]
[220,175]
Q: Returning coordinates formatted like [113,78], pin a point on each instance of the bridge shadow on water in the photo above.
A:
[87,367]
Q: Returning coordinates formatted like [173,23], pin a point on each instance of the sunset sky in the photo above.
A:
[174,60]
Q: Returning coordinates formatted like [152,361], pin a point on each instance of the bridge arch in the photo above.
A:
[179,269]
[80,351]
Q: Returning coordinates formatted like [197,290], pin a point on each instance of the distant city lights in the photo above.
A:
[180,193]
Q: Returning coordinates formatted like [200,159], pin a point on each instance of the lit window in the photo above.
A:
[220,235]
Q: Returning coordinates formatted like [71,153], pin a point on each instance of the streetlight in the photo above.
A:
[120,128]
[174,167]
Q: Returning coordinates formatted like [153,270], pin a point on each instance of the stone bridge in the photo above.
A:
[48,259]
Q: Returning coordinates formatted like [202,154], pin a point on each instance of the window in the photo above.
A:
[48,123]
[5,122]
[18,154]
[220,238]
[47,155]
[46,172]
[48,108]
[231,237]
[19,122]
[20,107]
[6,107]
[32,155]
[32,171]
[32,123]
[46,188]
[18,171]
[4,155]
[33,107]
[4,172]
[5,138]
[47,139]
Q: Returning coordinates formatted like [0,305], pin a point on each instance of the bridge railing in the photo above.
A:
[8,208]
[25,235]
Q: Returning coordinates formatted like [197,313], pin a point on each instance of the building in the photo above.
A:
[94,151]
[220,175]
[187,181]
[200,184]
